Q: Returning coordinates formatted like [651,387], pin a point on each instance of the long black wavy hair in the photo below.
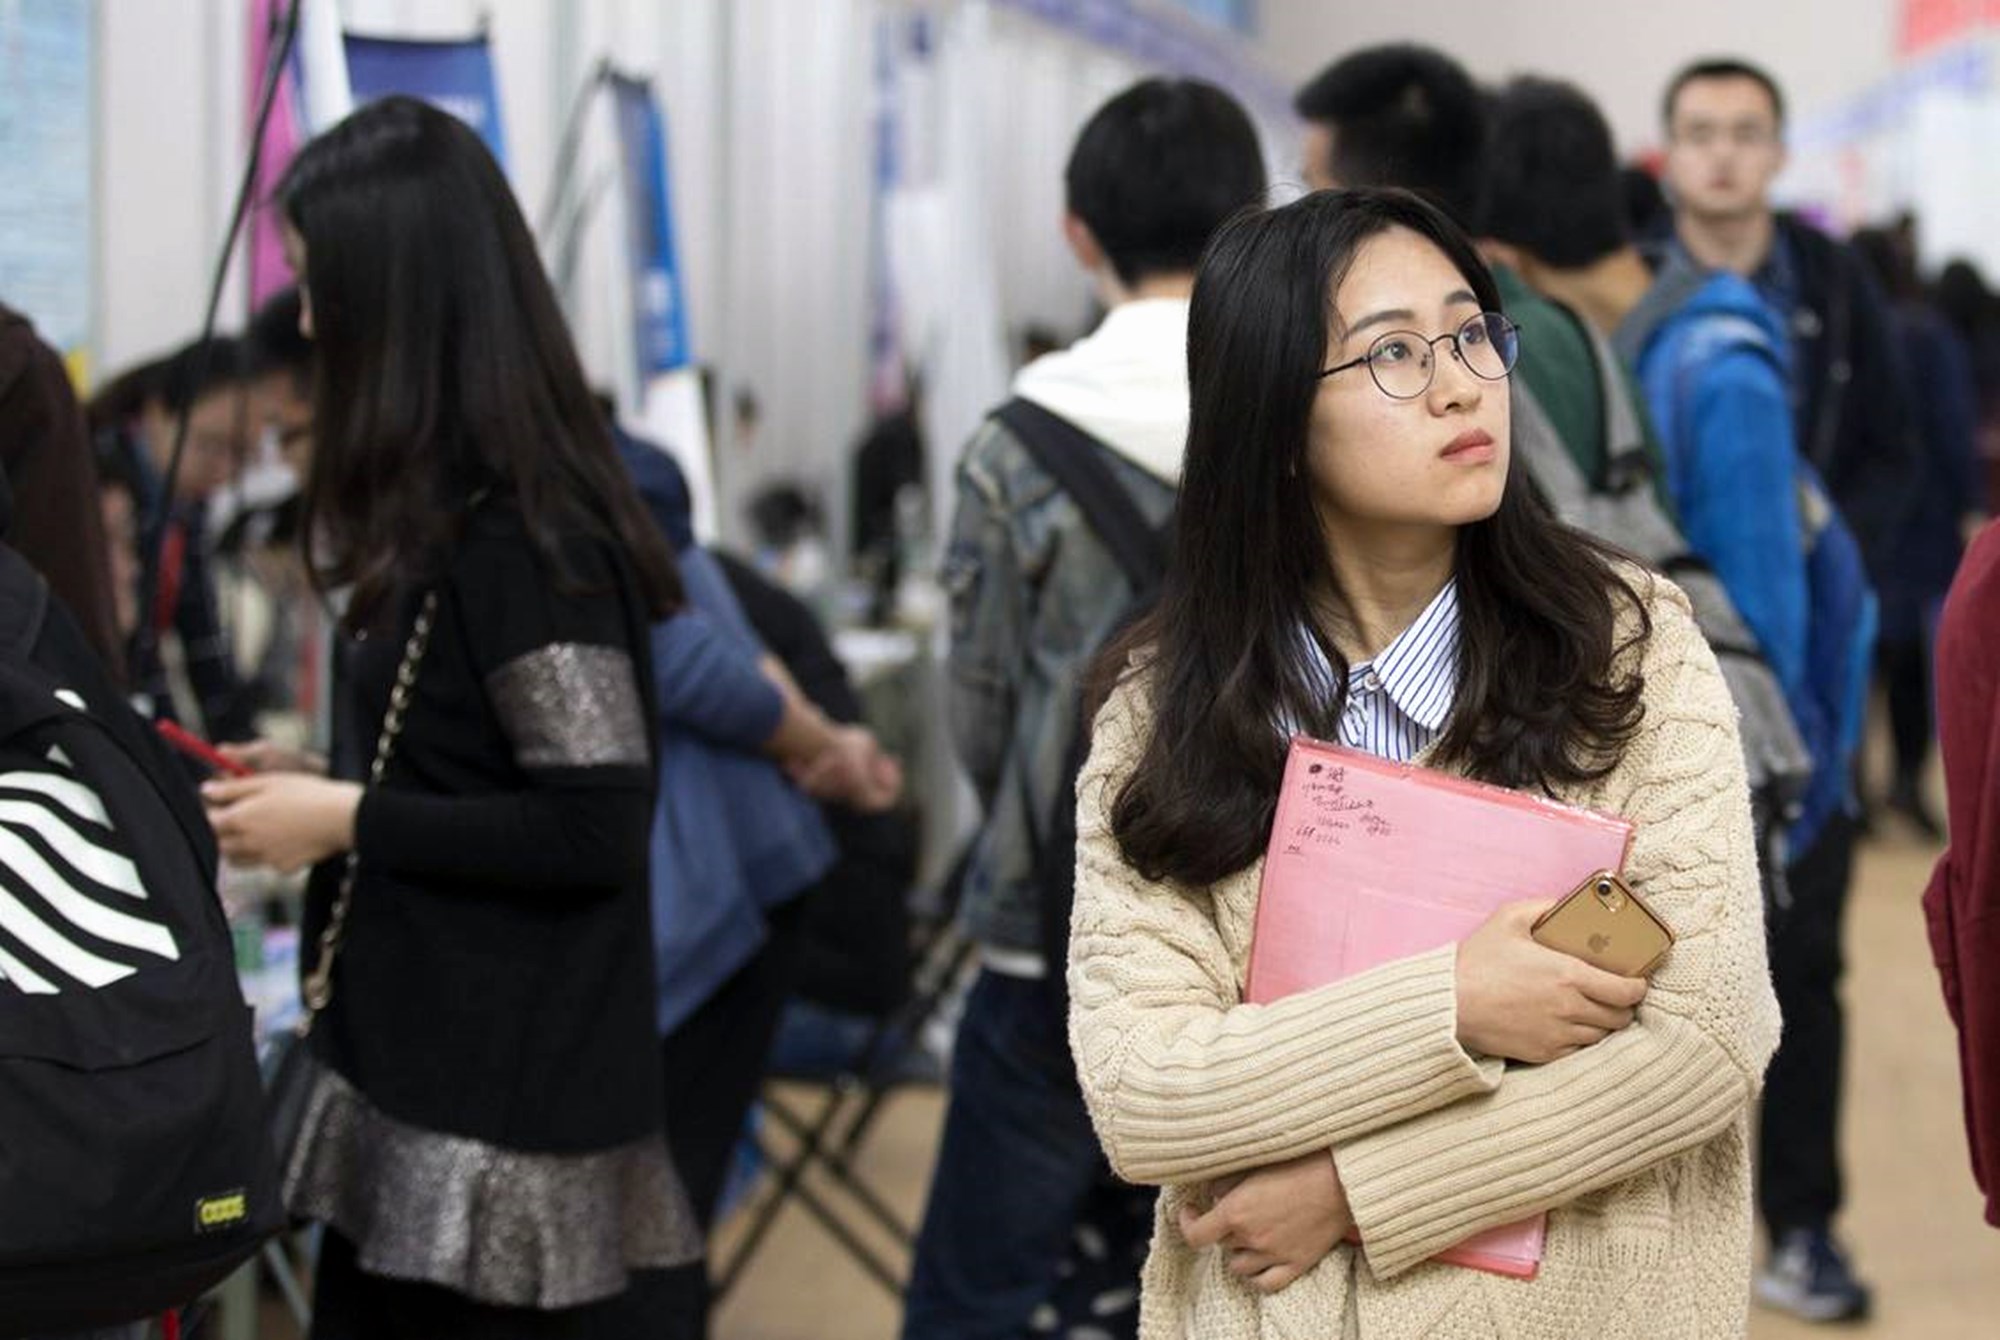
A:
[444,367]
[1539,702]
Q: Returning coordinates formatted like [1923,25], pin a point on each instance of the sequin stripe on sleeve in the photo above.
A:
[571,705]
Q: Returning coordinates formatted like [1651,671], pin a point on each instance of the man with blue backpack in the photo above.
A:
[1713,360]
[1725,146]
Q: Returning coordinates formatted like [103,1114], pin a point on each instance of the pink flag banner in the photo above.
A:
[281,140]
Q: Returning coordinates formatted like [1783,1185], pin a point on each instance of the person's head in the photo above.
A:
[1553,189]
[1961,294]
[1154,173]
[1295,475]
[1725,128]
[443,365]
[208,386]
[1396,115]
[281,375]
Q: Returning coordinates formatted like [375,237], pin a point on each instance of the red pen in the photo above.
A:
[197,748]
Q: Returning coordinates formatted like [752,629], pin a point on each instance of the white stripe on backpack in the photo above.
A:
[57,802]
[78,799]
[30,981]
[90,860]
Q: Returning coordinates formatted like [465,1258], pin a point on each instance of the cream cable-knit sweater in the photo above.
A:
[1637,1146]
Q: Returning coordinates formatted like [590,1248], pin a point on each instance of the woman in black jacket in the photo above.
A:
[486,1154]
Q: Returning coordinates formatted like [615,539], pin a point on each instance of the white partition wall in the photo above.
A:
[769,107]
[170,95]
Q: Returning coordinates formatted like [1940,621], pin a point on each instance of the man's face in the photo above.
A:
[1316,156]
[217,441]
[1723,148]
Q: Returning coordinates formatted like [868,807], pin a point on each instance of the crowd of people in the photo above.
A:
[1482,454]
[1784,425]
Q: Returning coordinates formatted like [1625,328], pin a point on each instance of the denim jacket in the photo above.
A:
[1034,594]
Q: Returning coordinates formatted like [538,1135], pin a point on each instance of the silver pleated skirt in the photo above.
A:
[499,1226]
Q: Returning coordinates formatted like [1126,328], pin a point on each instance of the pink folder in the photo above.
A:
[1372,861]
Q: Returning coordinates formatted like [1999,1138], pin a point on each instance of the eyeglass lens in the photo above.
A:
[1403,363]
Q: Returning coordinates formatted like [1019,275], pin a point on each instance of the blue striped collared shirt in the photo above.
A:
[1398,702]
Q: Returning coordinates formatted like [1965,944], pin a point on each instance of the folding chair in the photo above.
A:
[827,1133]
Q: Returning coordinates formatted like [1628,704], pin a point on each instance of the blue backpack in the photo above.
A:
[1840,655]
[1831,709]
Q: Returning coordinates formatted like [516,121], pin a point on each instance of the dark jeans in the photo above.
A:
[1906,677]
[1798,1172]
[714,1063]
[1018,1162]
[712,1066]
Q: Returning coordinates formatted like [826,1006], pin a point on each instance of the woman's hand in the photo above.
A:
[1275,1223]
[285,820]
[264,756]
[1526,1002]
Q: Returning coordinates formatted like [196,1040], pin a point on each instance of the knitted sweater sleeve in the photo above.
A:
[1183,1082]
[1680,1075]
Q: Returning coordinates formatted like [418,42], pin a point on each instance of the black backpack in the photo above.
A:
[135,1168]
[1076,461]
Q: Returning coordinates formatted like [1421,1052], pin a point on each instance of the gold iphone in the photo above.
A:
[1603,923]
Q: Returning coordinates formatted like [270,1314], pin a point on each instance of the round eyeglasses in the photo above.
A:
[1403,362]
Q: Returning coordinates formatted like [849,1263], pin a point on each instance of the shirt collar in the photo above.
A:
[1419,669]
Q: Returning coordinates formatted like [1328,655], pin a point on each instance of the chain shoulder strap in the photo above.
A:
[318,989]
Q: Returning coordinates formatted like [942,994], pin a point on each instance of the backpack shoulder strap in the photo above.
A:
[1628,460]
[1074,460]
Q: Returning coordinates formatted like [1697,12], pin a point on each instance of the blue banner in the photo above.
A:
[456,76]
[659,321]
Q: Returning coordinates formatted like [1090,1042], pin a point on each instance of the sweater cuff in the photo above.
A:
[1301,1073]
[1548,1134]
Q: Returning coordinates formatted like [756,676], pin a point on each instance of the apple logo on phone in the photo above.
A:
[1599,943]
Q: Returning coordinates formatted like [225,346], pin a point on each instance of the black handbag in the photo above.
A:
[294,1073]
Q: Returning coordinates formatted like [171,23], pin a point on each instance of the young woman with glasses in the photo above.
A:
[1360,559]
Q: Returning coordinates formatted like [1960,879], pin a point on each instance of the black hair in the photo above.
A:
[781,514]
[1538,702]
[1962,295]
[1157,169]
[1646,210]
[1403,115]
[275,343]
[177,382]
[117,465]
[1552,181]
[1720,68]
[444,367]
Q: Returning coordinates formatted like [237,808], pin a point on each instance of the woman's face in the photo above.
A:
[1436,461]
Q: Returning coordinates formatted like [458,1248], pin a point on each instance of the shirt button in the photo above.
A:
[1374,681]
